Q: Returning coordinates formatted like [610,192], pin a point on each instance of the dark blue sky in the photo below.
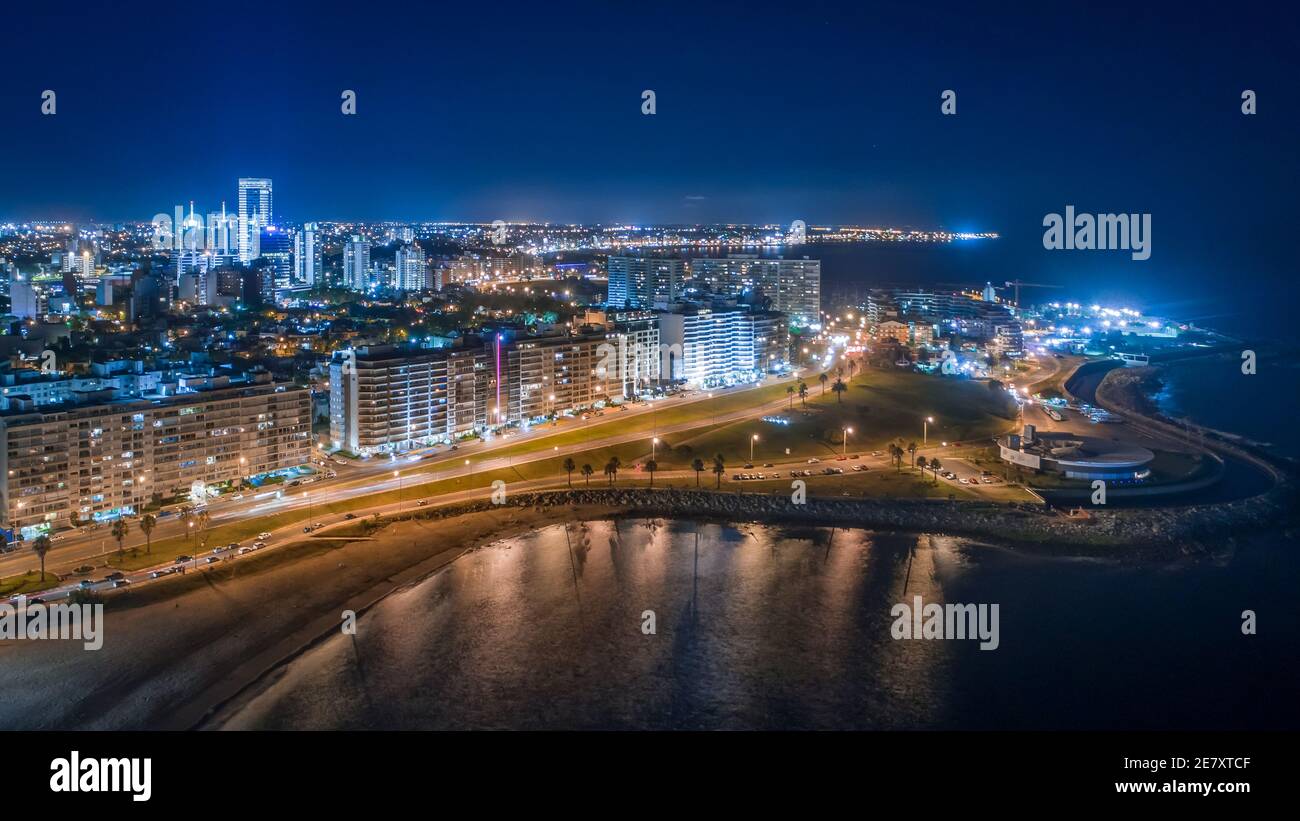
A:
[825,112]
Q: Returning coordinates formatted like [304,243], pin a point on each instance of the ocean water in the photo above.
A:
[790,628]
[1213,391]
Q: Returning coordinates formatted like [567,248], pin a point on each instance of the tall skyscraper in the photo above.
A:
[412,273]
[254,214]
[307,256]
[356,264]
[277,256]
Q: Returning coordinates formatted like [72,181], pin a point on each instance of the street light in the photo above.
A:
[397,474]
[653,444]
[925,430]
[847,431]
[752,440]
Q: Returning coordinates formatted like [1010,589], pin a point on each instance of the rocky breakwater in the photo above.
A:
[1162,533]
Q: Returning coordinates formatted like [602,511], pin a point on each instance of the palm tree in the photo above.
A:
[718,469]
[41,546]
[823,377]
[921,463]
[838,389]
[147,524]
[204,519]
[611,470]
[911,449]
[789,391]
[803,394]
[586,471]
[698,467]
[119,531]
[651,465]
[853,366]
[934,468]
[569,467]
[186,516]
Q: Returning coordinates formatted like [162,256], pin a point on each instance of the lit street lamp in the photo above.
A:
[752,440]
[847,431]
[397,474]
[925,430]
[654,443]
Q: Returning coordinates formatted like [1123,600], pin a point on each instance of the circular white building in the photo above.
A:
[1076,456]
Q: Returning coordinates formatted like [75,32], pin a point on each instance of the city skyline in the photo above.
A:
[919,371]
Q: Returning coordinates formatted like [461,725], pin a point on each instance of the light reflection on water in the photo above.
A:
[777,627]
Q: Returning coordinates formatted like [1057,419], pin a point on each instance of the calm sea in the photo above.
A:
[770,627]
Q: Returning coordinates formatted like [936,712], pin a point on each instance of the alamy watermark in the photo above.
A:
[946,621]
[76,622]
[1099,232]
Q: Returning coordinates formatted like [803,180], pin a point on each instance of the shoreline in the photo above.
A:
[251,621]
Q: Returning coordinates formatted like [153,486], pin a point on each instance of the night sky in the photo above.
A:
[766,112]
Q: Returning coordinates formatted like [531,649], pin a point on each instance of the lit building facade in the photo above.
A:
[101,458]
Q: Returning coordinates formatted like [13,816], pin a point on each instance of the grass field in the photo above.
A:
[27,583]
[881,407]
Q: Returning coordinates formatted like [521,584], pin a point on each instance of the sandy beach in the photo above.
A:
[169,658]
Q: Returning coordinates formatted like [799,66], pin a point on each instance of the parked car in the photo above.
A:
[246,549]
[264,535]
[183,559]
[121,583]
[213,559]
[859,467]
[422,502]
[112,577]
[86,584]
[814,461]
[350,516]
[259,545]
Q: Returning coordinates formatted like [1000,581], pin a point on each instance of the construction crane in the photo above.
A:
[1017,283]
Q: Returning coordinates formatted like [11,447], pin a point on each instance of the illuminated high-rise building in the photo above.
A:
[412,273]
[307,256]
[254,215]
[356,264]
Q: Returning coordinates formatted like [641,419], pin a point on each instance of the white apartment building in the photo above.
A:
[709,347]
[356,264]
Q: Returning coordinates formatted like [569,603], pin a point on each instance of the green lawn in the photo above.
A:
[880,406]
[27,583]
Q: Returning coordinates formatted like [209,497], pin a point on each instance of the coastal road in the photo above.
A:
[74,548]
